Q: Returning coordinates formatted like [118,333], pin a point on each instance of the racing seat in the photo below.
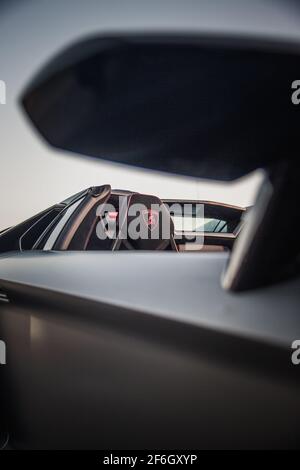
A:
[147,225]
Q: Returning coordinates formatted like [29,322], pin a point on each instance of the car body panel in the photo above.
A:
[123,280]
[104,355]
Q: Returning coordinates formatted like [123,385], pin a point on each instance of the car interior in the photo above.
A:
[73,224]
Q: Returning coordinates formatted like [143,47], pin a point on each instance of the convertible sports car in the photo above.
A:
[95,219]
[151,350]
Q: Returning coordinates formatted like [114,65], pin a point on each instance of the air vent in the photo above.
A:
[3,297]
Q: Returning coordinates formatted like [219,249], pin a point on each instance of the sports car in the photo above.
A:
[137,322]
[99,218]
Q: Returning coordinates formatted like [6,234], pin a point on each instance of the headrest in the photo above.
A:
[148,225]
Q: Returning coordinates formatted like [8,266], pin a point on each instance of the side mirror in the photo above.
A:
[205,107]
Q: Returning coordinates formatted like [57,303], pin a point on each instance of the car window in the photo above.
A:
[191,223]
[60,225]
[32,234]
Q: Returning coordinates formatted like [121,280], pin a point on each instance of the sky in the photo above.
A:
[32,175]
